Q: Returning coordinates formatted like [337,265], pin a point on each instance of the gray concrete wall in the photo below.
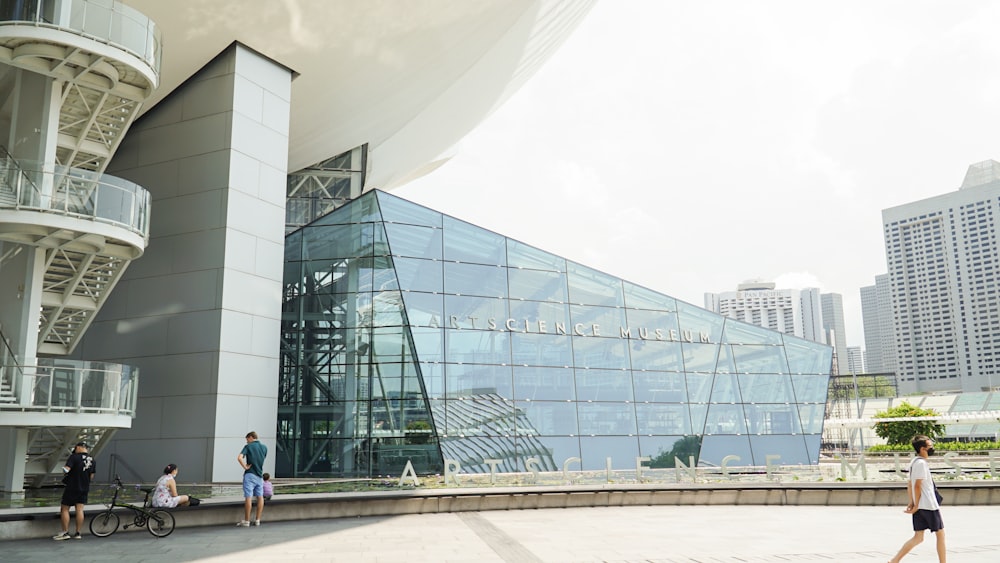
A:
[200,312]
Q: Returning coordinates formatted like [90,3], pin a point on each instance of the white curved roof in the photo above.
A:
[410,78]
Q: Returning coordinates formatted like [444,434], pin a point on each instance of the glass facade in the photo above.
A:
[411,335]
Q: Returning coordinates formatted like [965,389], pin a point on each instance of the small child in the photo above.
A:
[268,487]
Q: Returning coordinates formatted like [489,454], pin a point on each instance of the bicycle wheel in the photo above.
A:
[104,524]
[160,523]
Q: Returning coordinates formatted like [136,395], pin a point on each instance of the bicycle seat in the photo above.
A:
[146,490]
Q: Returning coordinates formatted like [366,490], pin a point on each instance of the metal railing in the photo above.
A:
[72,191]
[107,21]
[58,385]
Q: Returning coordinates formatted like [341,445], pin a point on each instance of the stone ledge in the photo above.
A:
[26,523]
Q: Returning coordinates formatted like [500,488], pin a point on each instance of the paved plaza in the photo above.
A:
[729,534]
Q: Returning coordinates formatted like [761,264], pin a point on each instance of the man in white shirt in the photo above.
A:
[924,505]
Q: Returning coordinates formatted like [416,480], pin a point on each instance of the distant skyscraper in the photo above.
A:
[833,327]
[855,361]
[943,257]
[791,311]
[876,313]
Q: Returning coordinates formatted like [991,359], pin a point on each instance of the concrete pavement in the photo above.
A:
[719,534]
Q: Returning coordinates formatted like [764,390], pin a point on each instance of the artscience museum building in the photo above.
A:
[409,335]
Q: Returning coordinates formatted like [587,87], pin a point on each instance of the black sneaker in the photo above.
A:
[77,536]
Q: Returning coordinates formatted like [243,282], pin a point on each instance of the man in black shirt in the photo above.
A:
[79,471]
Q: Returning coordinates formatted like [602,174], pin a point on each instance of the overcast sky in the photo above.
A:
[690,146]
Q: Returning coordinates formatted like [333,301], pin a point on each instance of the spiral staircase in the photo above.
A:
[67,230]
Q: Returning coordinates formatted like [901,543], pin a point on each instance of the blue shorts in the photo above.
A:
[927,520]
[253,485]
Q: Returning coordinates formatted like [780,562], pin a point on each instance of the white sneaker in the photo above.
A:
[61,536]
[256,522]
[243,524]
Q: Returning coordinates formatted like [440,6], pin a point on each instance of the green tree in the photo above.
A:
[903,431]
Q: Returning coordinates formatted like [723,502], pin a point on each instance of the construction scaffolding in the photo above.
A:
[844,401]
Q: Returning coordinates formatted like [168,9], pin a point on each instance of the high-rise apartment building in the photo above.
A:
[791,311]
[943,256]
[833,328]
[876,314]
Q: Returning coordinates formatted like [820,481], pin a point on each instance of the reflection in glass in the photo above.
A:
[590,287]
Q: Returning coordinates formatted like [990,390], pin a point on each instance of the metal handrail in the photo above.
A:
[71,191]
[107,21]
[59,385]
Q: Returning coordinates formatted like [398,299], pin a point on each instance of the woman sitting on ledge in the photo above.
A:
[165,495]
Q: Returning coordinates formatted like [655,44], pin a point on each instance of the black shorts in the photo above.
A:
[72,497]
[927,520]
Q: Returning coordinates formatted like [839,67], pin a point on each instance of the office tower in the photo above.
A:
[855,360]
[833,327]
[876,314]
[943,255]
[790,311]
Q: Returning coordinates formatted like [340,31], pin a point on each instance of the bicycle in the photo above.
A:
[158,521]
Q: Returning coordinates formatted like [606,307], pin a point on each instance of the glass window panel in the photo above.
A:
[424,309]
[390,345]
[293,247]
[772,419]
[727,360]
[603,385]
[597,321]
[662,419]
[411,240]
[715,448]
[399,210]
[659,387]
[419,275]
[363,209]
[697,324]
[477,346]
[547,418]
[760,359]
[699,418]
[553,316]
[387,309]
[810,388]
[468,243]
[808,357]
[811,418]
[590,287]
[736,332]
[766,388]
[608,353]
[637,297]
[663,449]
[482,313]
[559,450]
[341,241]
[725,419]
[652,321]
[484,416]
[543,384]
[652,355]
[537,285]
[725,389]
[428,343]
[469,380]
[812,447]
[433,375]
[699,387]
[383,276]
[475,279]
[606,419]
[341,275]
[700,358]
[521,255]
[622,450]
[541,349]
[792,450]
